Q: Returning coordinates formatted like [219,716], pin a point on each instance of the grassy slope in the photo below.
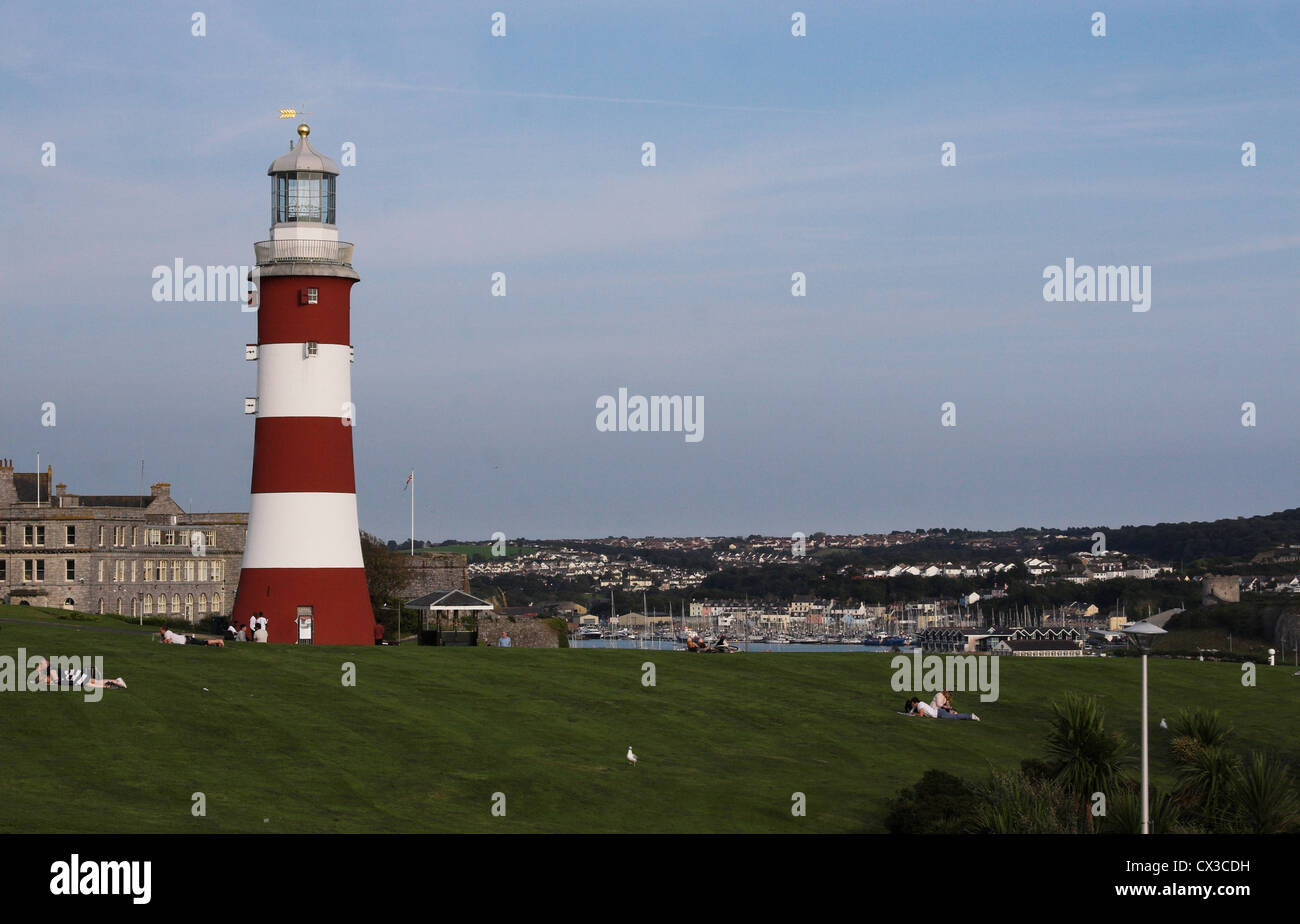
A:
[427,735]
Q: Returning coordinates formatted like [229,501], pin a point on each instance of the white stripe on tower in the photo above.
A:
[292,384]
[303,531]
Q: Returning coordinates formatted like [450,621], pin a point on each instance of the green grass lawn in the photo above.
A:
[424,739]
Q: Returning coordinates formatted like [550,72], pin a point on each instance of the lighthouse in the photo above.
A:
[302,567]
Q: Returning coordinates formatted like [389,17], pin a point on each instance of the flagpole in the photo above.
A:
[412,513]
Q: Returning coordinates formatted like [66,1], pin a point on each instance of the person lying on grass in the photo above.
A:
[915,707]
[168,637]
[76,677]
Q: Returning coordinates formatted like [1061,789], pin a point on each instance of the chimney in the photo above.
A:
[8,493]
[60,489]
[161,489]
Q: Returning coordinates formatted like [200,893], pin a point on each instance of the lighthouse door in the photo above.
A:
[304,621]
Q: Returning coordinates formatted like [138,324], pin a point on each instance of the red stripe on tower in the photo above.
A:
[302,567]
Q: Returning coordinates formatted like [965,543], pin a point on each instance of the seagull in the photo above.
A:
[631,758]
[1163,723]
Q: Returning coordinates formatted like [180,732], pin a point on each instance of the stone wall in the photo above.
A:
[524,633]
[434,571]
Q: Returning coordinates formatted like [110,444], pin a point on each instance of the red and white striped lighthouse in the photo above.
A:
[302,567]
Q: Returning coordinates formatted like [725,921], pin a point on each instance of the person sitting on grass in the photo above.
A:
[168,637]
[76,677]
[943,703]
[722,645]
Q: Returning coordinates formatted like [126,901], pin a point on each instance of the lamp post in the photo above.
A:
[1143,634]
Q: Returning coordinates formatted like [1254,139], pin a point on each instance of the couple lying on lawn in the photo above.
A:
[940,708]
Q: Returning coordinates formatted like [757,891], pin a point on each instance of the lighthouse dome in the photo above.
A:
[302,157]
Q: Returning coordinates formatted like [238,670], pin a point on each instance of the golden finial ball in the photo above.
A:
[304,130]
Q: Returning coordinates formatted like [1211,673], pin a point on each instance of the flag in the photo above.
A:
[408,480]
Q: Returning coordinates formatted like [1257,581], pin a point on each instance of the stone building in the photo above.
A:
[431,571]
[128,554]
[1217,589]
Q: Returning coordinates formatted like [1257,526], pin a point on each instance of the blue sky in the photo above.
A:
[775,154]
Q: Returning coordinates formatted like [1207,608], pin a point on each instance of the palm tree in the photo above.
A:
[1124,813]
[1205,780]
[1264,801]
[1082,755]
[1206,768]
[1203,726]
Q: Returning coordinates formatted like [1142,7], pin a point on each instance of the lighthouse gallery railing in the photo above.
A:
[290,251]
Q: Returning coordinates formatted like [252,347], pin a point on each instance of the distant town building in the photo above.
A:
[134,555]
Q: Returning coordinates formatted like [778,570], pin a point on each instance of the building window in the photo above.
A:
[203,572]
[135,607]
[4,535]
[162,604]
[135,535]
[34,570]
[3,569]
[189,607]
[70,536]
[101,606]
[176,604]
[100,577]
[162,570]
[148,604]
[153,537]
[133,572]
[70,569]
[148,569]
[189,570]
[216,603]
[176,570]
[203,603]
[101,537]
[217,568]
[119,606]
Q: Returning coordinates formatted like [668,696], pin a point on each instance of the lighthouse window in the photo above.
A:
[304,197]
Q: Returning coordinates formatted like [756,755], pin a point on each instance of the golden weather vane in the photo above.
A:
[293,113]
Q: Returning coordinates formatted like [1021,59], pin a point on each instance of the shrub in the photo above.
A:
[1263,798]
[1012,803]
[939,803]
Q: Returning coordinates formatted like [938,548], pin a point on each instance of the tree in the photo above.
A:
[1083,756]
[1264,801]
[939,804]
[386,571]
